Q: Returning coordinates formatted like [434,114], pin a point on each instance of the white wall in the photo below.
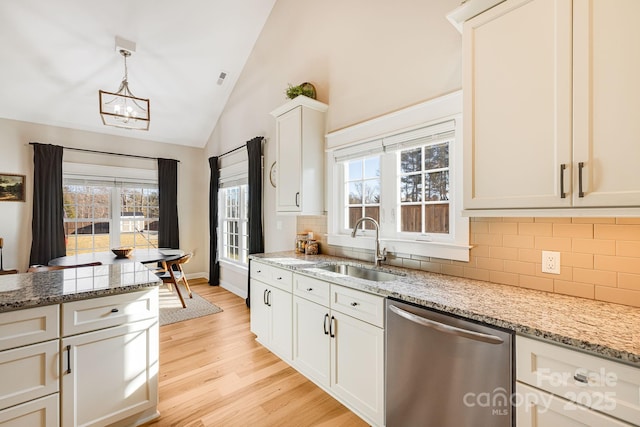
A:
[16,156]
[365,58]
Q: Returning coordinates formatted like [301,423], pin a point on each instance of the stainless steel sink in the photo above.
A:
[361,273]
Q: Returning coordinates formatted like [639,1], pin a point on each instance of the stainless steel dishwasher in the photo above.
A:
[443,371]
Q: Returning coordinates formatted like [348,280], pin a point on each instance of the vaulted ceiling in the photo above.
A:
[56,55]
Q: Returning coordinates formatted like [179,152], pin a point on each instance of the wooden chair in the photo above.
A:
[37,267]
[173,277]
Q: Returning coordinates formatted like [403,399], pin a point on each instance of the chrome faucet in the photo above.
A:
[378,256]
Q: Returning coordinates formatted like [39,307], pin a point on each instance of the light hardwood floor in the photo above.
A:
[214,373]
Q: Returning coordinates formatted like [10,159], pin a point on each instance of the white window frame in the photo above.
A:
[235,175]
[113,177]
[383,135]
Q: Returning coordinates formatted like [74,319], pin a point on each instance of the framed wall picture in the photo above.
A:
[12,187]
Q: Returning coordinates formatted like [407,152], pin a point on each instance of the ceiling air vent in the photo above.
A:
[221,78]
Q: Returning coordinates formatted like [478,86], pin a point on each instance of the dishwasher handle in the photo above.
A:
[447,329]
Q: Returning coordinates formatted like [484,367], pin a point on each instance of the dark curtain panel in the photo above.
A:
[214,185]
[47,226]
[168,233]
[256,242]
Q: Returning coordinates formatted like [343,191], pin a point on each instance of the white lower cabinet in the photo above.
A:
[109,376]
[103,371]
[311,340]
[341,352]
[357,366]
[43,412]
[560,387]
[271,318]
[271,307]
[29,367]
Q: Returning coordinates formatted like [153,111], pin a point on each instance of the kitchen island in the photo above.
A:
[79,346]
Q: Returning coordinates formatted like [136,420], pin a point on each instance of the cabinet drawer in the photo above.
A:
[42,412]
[358,304]
[601,384]
[540,409]
[28,373]
[29,326]
[278,277]
[104,312]
[312,289]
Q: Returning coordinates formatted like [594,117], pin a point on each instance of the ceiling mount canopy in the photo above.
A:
[122,109]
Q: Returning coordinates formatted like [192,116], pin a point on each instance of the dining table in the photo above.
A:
[144,256]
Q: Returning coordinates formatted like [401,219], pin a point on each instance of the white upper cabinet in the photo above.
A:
[549,98]
[606,84]
[517,105]
[300,130]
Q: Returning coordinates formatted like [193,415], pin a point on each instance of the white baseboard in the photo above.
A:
[242,293]
[201,275]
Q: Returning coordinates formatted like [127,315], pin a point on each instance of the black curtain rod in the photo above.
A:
[232,151]
[236,149]
[106,152]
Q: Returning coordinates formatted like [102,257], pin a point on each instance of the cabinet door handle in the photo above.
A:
[324,324]
[332,332]
[114,310]
[580,167]
[269,298]
[298,199]
[68,359]
[264,297]
[562,168]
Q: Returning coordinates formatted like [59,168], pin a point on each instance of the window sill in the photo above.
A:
[444,250]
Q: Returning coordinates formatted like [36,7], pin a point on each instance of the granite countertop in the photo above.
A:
[605,329]
[26,290]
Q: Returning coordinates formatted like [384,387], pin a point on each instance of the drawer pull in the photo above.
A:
[278,278]
[581,378]
[353,304]
[258,271]
[114,310]
[309,289]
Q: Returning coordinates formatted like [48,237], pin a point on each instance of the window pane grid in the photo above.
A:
[362,190]
[139,213]
[88,211]
[424,189]
[234,224]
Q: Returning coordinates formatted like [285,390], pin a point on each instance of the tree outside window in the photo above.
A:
[362,187]
[424,189]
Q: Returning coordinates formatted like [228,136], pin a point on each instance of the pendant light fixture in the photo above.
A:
[122,109]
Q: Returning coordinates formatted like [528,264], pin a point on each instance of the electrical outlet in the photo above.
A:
[551,262]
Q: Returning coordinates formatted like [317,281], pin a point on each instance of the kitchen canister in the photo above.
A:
[311,247]
[301,239]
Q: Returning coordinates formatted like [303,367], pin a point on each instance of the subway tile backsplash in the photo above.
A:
[599,257]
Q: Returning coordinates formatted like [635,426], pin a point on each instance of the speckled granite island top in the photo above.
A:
[18,291]
[609,330]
